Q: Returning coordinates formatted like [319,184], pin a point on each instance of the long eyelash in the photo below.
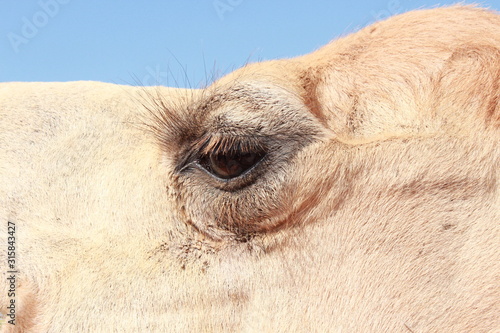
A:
[219,144]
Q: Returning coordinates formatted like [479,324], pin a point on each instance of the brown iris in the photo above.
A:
[230,165]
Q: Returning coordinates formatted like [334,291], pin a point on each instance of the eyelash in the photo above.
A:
[227,144]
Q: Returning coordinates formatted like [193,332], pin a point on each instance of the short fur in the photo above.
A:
[375,208]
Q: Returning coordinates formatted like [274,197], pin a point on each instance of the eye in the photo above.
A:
[231,164]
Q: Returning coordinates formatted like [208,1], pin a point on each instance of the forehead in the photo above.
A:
[253,94]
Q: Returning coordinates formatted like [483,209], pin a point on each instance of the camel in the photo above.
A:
[352,189]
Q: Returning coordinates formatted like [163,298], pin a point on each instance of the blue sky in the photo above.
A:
[175,43]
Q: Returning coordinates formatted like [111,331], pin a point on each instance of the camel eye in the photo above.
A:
[231,164]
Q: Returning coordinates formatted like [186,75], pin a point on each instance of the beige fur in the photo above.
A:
[375,209]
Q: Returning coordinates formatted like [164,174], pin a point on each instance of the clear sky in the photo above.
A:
[175,43]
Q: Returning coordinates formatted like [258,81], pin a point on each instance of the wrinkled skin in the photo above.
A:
[373,205]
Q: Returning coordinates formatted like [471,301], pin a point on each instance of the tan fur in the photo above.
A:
[376,208]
